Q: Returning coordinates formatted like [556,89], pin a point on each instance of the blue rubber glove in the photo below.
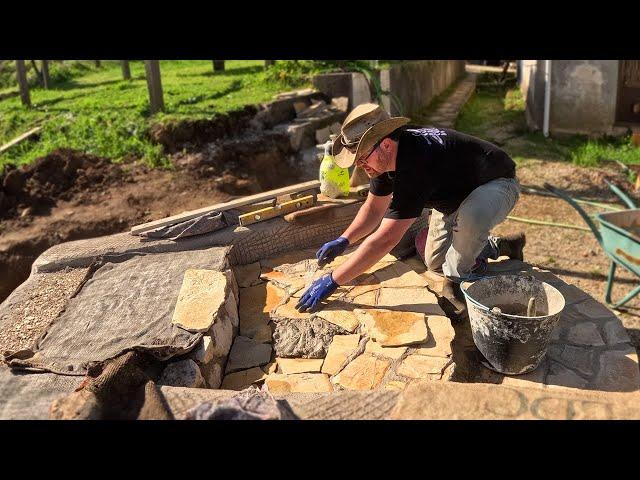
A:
[330,250]
[319,290]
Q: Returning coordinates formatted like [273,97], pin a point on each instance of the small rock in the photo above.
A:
[26,212]
[246,353]
[341,103]
[183,373]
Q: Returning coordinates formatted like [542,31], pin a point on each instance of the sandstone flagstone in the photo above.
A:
[395,385]
[615,332]
[289,311]
[441,335]
[390,328]
[203,353]
[270,367]
[255,304]
[618,371]
[299,365]
[298,383]
[398,274]
[242,379]
[409,300]
[422,366]
[213,371]
[561,377]
[364,373]
[340,314]
[339,350]
[246,353]
[585,333]
[201,299]
[375,348]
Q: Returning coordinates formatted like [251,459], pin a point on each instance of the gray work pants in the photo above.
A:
[459,244]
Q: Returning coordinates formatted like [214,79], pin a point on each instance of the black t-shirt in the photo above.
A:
[438,168]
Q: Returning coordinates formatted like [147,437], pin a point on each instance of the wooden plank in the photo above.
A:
[220,207]
[280,209]
[16,140]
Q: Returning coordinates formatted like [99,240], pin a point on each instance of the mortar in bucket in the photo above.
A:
[512,340]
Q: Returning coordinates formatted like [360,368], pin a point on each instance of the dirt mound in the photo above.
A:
[60,175]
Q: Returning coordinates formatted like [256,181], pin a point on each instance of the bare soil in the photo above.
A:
[573,255]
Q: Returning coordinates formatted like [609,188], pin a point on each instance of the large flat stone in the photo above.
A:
[247,275]
[255,304]
[221,334]
[593,309]
[618,371]
[476,401]
[560,376]
[398,274]
[289,311]
[615,332]
[422,366]
[364,373]
[340,314]
[304,338]
[246,353]
[375,348]
[279,384]
[441,335]
[183,373]
[392,329]
[418,300]
[213,372]
[242,379]
[299,365]
[201,300]
[339,350]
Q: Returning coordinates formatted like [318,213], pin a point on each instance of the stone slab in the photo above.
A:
[618,371]
[242,379]
[201,298]
[299,365]
[409,300]
[340,314]
[422,366]
[441,334]
[183,373]
[423,400]
[247,275]
[393,328]
[246,353]
[339,350]
[365,372]
[375,348]
[298,383]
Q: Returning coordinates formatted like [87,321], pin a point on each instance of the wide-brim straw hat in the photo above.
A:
[363,128]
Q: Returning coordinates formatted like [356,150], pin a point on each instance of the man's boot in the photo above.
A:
[512,245]
[452,300]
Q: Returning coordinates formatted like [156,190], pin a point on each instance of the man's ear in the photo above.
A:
[386,143]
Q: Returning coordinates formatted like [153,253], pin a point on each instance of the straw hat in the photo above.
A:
[365,126]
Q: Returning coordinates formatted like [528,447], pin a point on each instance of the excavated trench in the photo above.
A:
[68,195]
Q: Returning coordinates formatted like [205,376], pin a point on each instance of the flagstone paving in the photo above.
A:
[385,331]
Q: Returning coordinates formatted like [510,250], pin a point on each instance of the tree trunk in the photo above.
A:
[218,65]
[21,74]
[46,81]
[97,63]
[154,84]
[126,71]
[268,63]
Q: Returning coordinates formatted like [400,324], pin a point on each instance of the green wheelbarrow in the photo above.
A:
[618,234]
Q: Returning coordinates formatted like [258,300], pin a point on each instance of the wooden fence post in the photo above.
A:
[126,71]
[46,81]
[268,63]
[154,84]
[218,65]
[97,63]
[21,74]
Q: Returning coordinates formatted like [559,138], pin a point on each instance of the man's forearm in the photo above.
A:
[365,222]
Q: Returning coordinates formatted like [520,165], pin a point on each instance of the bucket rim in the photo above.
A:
[515,317]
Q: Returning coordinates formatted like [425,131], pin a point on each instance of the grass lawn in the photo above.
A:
[102,114]
[498,112]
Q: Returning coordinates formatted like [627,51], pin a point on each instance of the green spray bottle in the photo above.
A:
[334,180]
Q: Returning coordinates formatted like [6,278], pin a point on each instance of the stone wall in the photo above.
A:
[417,83]
[583,95]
